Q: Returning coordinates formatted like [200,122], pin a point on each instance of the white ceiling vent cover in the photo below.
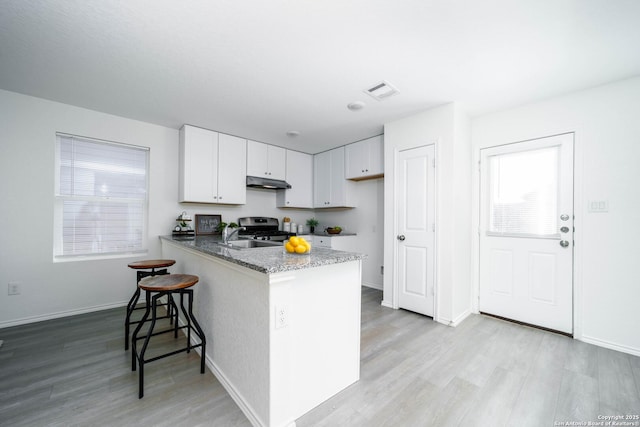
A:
[382,90]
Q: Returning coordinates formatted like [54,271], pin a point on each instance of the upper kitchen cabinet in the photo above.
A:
[212,167]
[331,189]
[300,176]
[364,159]
[266,161]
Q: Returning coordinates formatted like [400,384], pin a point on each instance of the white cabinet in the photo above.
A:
[339,243]
[212,167]
[266,161]
[364,159]
[331,189]
[299,174]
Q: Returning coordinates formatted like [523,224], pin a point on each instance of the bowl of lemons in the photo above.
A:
[297,245]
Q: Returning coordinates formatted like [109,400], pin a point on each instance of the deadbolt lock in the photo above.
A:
[564,229]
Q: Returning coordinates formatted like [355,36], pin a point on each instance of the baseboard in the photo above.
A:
[610,345]
[235,395]
[454,322]
[246,409]
[60,314]
[372,285]
[386,304]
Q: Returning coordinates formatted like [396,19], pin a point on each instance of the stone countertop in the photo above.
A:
[266,259]
[325,234]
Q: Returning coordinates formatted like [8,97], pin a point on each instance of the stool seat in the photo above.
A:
[170,282]
[151,263]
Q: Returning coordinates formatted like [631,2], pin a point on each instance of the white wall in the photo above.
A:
[27,142]
[367,221]
[607,140]
[447,128]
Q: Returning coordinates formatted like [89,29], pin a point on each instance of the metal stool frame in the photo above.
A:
[192,324]
[172,310]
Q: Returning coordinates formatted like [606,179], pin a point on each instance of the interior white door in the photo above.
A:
[526,232]
[415,242]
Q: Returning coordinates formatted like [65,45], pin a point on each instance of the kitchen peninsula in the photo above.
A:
[284,328]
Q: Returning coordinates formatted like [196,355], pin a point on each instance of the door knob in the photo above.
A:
[401,237]
[564,229]
[564,243]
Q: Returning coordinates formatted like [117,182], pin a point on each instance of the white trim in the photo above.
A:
[245,407]
[237,397]
[60,314]
[388,305]
[610,345]
[372,285]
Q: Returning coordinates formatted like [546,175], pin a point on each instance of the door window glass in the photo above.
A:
[523,193]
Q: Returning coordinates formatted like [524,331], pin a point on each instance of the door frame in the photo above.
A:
[396,180]
[577,212]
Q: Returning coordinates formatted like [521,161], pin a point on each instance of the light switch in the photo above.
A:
[598,206]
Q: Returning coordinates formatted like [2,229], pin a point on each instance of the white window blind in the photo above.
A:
[523,190]
[101,197]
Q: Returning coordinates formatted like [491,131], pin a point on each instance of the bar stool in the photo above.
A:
[141,266]
[156,287]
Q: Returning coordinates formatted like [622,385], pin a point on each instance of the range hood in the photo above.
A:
[272,184]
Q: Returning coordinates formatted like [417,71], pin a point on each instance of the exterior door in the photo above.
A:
[415,243]
[526,232]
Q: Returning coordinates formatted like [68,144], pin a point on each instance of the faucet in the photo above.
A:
[226,235]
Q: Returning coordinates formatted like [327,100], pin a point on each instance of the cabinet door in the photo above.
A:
[356,160]
[376,155]
[322,241]
[198,157]
[232,170]
[257,159]
[277,160]
[338,191]
[299,175]
[321,181]
[264,160]
[364,159]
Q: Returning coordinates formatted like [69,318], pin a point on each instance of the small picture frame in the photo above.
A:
[207,224]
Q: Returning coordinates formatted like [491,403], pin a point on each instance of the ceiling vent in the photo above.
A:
[382,90]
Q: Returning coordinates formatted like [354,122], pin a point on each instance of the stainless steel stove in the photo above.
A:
[262,228]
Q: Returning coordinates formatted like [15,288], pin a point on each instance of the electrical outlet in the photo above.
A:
[14,288]
[282,316]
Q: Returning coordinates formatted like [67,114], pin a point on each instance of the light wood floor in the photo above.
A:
[414,372]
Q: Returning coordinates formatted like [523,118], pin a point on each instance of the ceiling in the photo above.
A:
[258,69]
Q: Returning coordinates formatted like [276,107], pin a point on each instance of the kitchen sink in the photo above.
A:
[248,244]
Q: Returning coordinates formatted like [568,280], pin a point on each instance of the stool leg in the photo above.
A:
[187,317]
[199,331]
[130,307]
[146,343]
[174,315]
[134,337]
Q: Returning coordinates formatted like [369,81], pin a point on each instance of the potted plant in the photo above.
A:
[312,223]
[222,225]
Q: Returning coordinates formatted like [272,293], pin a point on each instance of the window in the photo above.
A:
[524,193]
[100,198]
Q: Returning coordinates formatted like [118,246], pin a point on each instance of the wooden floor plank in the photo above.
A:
[414,372]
